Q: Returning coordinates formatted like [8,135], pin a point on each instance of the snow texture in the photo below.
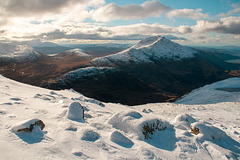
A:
[114,131]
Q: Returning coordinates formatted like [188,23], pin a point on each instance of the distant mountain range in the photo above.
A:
[50,48]
[153,70]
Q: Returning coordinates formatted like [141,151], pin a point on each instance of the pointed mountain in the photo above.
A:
[148,50]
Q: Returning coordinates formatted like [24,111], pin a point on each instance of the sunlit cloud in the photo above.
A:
[132,11]
[187,13]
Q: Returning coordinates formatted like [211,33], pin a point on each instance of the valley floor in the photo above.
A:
[113,131]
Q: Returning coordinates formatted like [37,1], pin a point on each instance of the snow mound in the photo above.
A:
[75,111]
[17,52]
[183,121]
[148,50]
[119,138]
[208,132]
[90,135]
[223,91]
[141,127]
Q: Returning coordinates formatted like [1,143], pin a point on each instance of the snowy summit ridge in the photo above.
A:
[148,50]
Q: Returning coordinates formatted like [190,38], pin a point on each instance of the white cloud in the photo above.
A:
[133,11]
[142,28]
[187,13]
[228,25]
[184,29]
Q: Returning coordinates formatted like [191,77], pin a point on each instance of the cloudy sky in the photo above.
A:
[189,22]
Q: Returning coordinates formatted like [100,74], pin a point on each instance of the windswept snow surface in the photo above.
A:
[17,52]
[223,91]
[147,50]
[113,131]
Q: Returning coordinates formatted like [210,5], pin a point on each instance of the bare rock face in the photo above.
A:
[75,112]
[28,126]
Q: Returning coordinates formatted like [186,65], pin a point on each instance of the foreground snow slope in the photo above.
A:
[112,131]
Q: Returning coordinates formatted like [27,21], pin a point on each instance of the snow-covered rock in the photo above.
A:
[28,125]
[141,127]
[90,135]
[223,91]
[120,139]
[75,111]
[183,121]
[148,50]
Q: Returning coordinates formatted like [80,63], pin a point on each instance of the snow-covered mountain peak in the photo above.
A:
[6,49]
[149,42]
[149,50]
[11,51]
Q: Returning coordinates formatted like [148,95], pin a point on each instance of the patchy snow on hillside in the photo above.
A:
[111,131]
[147,50]
[88,71]
[17,52]
[78,52]
[223,91]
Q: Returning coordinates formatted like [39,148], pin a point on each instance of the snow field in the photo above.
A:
[112,131]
